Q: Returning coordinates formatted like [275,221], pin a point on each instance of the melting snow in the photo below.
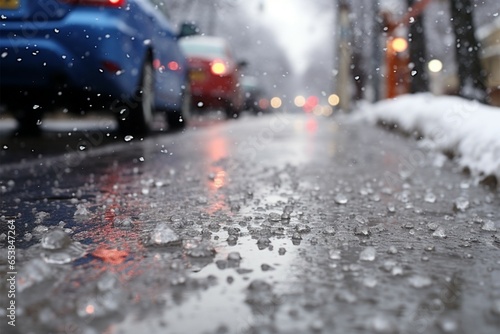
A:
[467,129]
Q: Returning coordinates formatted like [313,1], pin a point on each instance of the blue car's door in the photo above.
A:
[34,13]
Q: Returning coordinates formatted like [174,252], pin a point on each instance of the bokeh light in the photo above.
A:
[299,101]
[435,65]
[399,44]
[275,102]
[334,100]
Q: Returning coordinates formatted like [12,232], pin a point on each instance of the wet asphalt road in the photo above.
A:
[277,224]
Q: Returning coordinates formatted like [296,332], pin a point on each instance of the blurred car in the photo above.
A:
[214,74]
[256,99]
[119,55]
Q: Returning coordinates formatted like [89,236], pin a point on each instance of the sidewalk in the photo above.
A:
[465,130]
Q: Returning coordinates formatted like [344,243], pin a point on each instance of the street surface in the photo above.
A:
[275,224]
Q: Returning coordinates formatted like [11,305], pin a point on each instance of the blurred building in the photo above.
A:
[489,36]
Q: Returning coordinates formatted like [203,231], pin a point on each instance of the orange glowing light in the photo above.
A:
[218,67]
[113,256]
[299,101]
[276,102]
[399,44]
[334,100]
[220,179]
[90,309]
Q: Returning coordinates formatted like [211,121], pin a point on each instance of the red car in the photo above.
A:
[214,74]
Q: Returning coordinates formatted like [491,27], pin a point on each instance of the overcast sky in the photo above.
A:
[299,26]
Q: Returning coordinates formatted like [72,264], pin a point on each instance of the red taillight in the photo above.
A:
[218,67]
[111,66]
[104,3]
[173,66]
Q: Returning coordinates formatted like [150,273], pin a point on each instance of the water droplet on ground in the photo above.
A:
[65,254]
[382,324]
[370,281]
[202,200]
[368,254]
[266,267]
[439,233]
[392,250]
[419,282]
[261,293]
[302,228]
[334,254]
[288,209]
[123,223]
[408,226]
[81,210]
[55,239]
[432,226]
[430,197]
[263,242]
[199,249]
[234,256]
[163,235]
[41,216]
[340,199]
[391,208]
[40,229]
[461,204]
[489,226]
[233,231]
[361,230]
[176,219]
[329,231]
[285,216]
[274,217]
[448,325]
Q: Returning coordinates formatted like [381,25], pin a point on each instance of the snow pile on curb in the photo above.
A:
[467,129]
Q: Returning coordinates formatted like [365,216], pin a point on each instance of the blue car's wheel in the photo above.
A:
[138,117]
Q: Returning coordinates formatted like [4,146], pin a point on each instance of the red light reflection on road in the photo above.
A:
[312,125]
[113,256]
[220,179]
[215,150]
[115,249]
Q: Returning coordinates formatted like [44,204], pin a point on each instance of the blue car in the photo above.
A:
[86,55]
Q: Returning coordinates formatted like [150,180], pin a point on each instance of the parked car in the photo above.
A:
[214,74]
[118,55]
[256,99]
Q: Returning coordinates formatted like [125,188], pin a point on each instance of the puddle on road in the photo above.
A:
[229,304]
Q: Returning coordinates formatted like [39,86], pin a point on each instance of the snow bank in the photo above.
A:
[468,129]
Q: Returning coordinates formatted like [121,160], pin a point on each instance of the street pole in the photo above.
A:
[419,81]
[343,82]
[376,59]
